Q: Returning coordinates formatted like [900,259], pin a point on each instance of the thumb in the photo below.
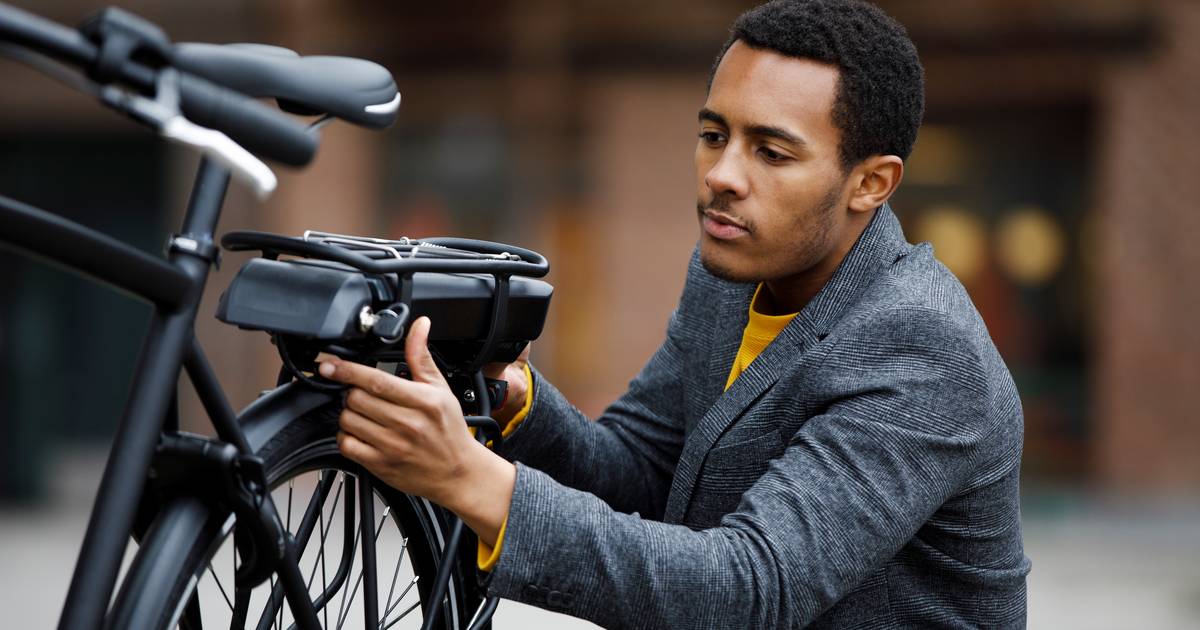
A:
[416,353]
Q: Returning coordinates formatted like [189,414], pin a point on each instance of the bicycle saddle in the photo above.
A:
[355,90]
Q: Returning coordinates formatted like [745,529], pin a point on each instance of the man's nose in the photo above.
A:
[728,176]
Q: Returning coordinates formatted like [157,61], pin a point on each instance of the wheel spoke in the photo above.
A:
[485,612]
[402,615]
[382,519]
[358,580]
[378,613]
[345,563]
[342,606]
[321,553]
[483,604]
[324,534]
[320,559]
[288,528]
[387,603]
[401,598]
[220,586]
[291,489]
[273,611]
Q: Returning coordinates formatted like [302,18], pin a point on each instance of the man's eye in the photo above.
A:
[712,138]
[772,156]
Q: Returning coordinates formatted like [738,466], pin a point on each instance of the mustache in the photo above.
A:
[720,203]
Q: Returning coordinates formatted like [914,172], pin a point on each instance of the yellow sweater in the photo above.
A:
[486,556]
[760,331]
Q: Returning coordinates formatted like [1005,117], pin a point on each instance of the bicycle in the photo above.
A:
[208,506]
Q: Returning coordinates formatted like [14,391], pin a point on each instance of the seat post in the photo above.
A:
[200,222]
[208,195]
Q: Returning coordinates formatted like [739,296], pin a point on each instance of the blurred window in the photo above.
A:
[1003,197]
[68,346]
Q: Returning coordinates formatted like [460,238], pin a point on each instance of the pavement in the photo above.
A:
[1099,562]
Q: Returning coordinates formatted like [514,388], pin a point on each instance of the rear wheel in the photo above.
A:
[183,574]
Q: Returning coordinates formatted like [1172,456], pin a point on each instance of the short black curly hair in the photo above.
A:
[881,88]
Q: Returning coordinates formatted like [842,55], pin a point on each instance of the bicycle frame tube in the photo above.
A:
[166,344]
[91,253]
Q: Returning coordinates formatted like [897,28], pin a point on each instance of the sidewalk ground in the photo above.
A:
[1098,564]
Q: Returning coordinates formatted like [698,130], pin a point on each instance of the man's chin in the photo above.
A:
[714,265]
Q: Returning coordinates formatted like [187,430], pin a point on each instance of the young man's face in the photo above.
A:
[770,187]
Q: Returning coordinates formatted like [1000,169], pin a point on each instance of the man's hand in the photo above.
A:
[411,435]
[514,374]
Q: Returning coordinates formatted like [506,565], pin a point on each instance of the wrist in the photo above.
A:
[518,403]
[512,405]
[483,493]
[514,400]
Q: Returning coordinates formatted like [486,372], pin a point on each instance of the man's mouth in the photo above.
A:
[722,226]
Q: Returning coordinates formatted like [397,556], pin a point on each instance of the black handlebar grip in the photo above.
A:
[261,130]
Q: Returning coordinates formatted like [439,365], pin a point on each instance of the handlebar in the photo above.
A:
[259,128]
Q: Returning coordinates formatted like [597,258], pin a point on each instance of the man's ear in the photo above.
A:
[877,177]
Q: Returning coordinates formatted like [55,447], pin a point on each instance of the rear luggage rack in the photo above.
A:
[373,255]
[353,296]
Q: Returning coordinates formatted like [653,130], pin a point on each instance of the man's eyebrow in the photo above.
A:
[768,131]
[778,133]
[710,115]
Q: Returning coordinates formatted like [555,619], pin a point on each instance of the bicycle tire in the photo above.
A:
[183,539]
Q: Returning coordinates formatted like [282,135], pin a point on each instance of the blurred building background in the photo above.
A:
[1052,176]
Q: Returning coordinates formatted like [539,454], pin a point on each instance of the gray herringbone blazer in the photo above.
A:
[861,473]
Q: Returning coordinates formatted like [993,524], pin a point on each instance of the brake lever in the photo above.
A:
[163,113]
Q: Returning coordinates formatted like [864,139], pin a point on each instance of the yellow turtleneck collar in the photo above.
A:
[760,331]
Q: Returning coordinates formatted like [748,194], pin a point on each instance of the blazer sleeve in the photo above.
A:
[852,487]
[627,456]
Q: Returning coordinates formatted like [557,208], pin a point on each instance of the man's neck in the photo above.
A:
[791,294]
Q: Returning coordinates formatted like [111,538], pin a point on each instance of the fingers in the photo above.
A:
[367,428]
[377,410]
[421,365]
[371,379]
[375,382]
[416,353]
[359,451]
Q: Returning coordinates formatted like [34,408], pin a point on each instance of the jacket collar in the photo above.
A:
[879,246]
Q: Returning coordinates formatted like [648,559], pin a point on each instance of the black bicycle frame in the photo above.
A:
[174,287]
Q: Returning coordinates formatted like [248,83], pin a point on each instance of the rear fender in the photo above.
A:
[273,411]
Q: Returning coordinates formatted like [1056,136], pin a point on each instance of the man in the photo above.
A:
[826,437]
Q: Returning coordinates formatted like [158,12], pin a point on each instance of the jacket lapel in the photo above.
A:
[727,338]
[878,246]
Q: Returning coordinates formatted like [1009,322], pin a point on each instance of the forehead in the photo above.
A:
[762,87]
